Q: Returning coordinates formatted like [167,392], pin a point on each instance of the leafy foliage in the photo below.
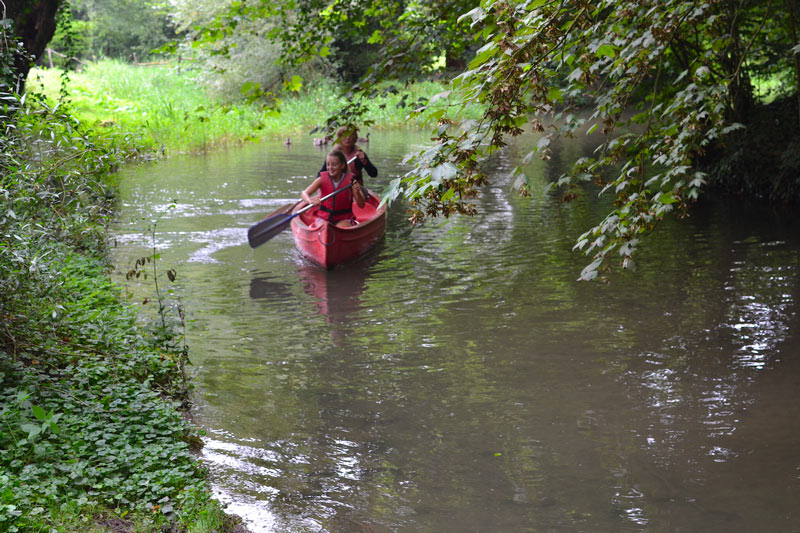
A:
[666,84]
[88,399]
[164,109]
[344,40]
[11,51]
[237,65]
[233,53]
[48,204]
[115,28]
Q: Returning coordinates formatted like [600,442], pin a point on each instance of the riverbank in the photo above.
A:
[166,111]
[90,395]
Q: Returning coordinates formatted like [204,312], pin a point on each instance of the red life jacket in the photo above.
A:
[340,207]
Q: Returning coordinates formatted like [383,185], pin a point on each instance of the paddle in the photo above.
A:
[278,220]
[282,209]
[263,231]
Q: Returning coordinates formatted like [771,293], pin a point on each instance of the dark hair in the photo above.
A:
[338,154]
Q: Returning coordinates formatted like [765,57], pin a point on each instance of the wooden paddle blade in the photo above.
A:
[263,231]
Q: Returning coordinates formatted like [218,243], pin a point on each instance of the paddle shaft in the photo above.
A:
[284,208]
[279,220]
[326,197]
[268,228]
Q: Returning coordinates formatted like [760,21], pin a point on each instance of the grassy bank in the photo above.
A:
[90,430]
[166,108]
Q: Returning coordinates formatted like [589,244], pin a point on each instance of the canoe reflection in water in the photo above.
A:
[337,292]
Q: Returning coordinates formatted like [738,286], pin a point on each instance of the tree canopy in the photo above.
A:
[120,29]
[670,86]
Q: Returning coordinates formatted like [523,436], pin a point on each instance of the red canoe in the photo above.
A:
[328,245]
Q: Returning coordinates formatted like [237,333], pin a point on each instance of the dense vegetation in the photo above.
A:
[169,108]
[88,401]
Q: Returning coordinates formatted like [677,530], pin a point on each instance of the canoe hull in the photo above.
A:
[327,245]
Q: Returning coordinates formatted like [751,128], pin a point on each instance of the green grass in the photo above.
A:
[168,110]
[164,107]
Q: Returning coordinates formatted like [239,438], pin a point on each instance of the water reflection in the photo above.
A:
[460,380]
[269,287]
[337,292]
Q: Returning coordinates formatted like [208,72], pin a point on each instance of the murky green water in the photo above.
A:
[459,379]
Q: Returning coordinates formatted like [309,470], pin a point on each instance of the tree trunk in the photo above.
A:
[740,90]
[34,25]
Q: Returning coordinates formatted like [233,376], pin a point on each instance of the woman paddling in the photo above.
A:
[334,176]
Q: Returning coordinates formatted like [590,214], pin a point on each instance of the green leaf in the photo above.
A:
[38,412]
[391,192]
[590,271]
[31,429]
[667,198]
[443,172]
[295,84]
[477,14]
[575,74]
[605,50]
[555,94]
[483,54]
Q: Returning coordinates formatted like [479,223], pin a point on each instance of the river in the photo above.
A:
[459,378]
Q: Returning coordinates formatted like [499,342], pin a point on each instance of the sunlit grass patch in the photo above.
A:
[170,111]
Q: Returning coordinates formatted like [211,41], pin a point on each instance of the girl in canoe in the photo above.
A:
[347,136]
[334,175]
